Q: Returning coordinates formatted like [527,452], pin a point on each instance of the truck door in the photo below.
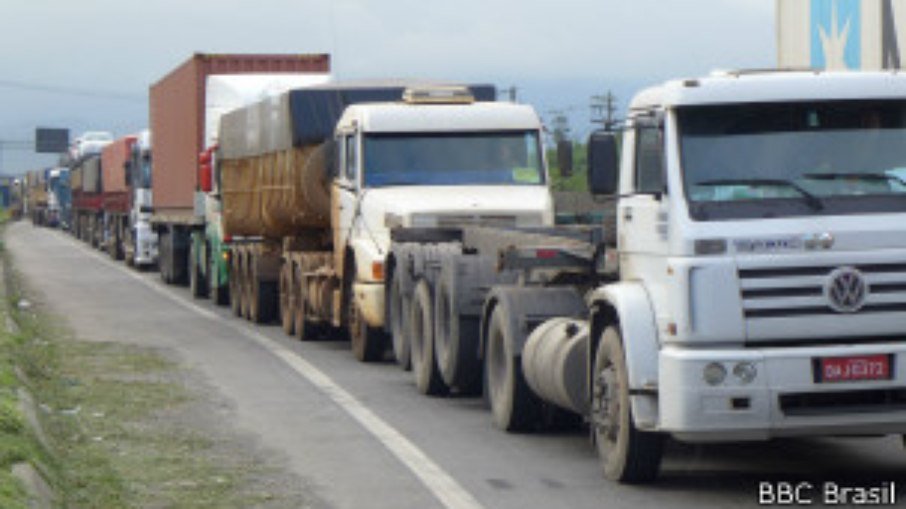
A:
[643,213]
[345,191]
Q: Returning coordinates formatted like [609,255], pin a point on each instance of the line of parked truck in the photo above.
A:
[748,284]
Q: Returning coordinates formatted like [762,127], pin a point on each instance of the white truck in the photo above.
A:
[755,286]
[312,182]
[141,244]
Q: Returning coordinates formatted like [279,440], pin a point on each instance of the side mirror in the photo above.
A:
[127,173]
[603,163]
[565,157]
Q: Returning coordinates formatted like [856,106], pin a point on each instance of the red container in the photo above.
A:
[177,118]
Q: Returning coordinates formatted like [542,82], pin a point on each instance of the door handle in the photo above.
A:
[627,214]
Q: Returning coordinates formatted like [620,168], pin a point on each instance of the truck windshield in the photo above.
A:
[145,172]
[405,159]
[849,155]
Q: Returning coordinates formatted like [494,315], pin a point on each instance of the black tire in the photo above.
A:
[164,245]
[245,281]
[513,405]
[198,285]
[421,332]
[627,454]
[263,297]
[235,285]
[287,299]
[399,311]
[368,343]
[220,294]
[306,330]
[455,343]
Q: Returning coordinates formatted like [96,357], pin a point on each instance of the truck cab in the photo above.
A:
[142,236]
[435,159]
[762,288]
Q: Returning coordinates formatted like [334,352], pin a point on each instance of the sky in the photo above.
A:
[87,65]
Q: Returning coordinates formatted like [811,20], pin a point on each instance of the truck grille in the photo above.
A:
[781,292]
[454,220]
[841,402]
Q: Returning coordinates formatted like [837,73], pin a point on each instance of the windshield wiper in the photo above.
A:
[810,199]
[871,176]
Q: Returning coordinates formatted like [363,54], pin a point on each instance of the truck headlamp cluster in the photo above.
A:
[745,372]
[715,373]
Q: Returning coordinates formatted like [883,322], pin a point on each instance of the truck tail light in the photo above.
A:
[545,254]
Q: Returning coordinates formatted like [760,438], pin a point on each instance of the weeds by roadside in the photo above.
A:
[118,423]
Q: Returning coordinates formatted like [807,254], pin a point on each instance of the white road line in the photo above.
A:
[441,484]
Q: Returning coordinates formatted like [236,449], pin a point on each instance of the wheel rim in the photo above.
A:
[607,408]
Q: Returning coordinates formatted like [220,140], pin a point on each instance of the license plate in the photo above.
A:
[853,369]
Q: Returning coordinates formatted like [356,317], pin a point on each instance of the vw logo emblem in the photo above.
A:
[846,290]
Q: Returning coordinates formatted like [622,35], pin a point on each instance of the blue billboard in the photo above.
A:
[836,34]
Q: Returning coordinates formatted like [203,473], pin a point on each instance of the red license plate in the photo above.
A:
[853,369]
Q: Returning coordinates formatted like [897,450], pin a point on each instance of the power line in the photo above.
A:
[83,92]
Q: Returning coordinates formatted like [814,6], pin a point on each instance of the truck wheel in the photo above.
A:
[235,286]
[455,342]
[513,405]
[265,300]
[287,299]
[421,333]
[164,243]
[627,454]
[368,343]
[219,294]
[197,283]
[246,287]
[399,311]
[305,328]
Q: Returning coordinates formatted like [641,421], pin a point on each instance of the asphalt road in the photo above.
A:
[360,435]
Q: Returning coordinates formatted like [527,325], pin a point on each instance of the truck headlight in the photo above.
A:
[392,220]
[714,373]
[745,372]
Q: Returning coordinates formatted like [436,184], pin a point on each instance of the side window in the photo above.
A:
[649,160]
[351,159]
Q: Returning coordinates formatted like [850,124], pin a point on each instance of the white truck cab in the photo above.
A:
[762,256]
[437,158]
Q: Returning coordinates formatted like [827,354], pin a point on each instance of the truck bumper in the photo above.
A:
[370,298]
[783,399]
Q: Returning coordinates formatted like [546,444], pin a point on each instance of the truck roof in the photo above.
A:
[733,87]
[403,117]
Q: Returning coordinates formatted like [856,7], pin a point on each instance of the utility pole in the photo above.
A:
[560,129]
[603,110]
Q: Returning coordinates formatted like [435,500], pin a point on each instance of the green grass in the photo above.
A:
[111,415]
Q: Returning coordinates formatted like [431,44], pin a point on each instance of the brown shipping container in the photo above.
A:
[177,118]
[113,164]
